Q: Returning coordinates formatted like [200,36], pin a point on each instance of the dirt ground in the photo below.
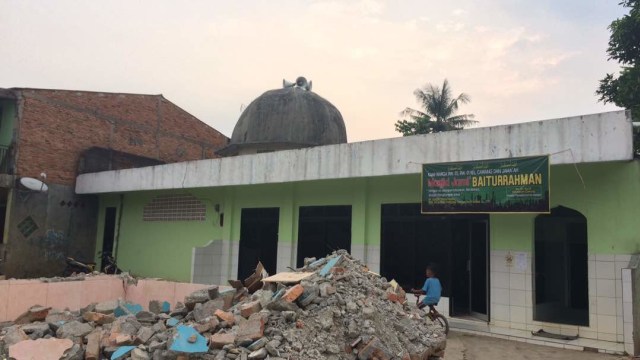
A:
[461,346]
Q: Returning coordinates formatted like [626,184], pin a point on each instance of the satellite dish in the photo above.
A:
[33,184]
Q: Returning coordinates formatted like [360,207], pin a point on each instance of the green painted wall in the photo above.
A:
[164,249]
[160,249]
[608,199]
[7,121]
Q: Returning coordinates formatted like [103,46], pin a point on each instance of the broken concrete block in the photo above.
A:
[225,316]
[250,308]
[91,307]
[272,347]
[57,318]
[36,330]
[196,297]
[281,305]
[258,344]
[202,327]
[106,307]
[75,353]
[13,336]
[309,295]
[159,326]
[92,351]
[144,334]
[35,313]
[258,354]
[158,307]
[179,310]
[265,297]
[172,322]
[98,318]
[74,330]
[146,317]
[125,325]
[228,298]
[250,330]
[41,349]
[205,310]
[213,292]
[139,354]
[124,339]
[293,293]
[326,289]
[156,345]
[182,344]
[240,295]
[218,341]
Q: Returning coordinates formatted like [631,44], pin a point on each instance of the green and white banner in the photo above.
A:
[515,185]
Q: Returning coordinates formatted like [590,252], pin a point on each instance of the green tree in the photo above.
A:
[624,47]
[438,114]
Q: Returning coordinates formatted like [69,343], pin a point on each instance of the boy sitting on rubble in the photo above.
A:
[431,288]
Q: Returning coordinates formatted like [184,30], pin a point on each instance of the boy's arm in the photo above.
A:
[422,291]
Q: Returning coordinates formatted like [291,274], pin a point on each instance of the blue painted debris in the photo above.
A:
[325,270]
[316,263]
[172,322]
[182,344]
[166,307]
[122,351]
[127,309]
[278,294]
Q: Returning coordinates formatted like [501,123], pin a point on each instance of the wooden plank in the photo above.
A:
[288,277]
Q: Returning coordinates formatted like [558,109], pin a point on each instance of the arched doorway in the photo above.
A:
[561,292]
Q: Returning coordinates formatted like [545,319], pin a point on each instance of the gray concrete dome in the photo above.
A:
[287,118]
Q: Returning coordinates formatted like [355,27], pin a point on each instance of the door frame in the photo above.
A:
[481,316]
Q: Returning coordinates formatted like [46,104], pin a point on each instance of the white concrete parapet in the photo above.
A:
[579,139]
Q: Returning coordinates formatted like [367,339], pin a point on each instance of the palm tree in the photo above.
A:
[439,112]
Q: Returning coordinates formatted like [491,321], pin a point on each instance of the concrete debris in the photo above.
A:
[35,313]
[126,277]
[107,307]
[42,349]
[340,310]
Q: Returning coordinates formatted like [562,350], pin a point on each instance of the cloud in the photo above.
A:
[366,56]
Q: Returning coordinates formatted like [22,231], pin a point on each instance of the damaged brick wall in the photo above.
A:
[57,126]
[45,228]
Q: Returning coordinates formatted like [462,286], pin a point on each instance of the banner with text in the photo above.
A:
[516,185]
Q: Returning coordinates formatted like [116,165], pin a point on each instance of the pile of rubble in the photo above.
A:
[332,308]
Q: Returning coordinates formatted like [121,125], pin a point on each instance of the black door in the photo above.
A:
[460,301]
[560,260]
[479,248]
[258,240]
[322,230]
[108,234]
[457,244]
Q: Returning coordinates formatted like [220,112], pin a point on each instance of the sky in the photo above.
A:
[518,60]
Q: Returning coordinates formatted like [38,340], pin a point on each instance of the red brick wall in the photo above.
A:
[57,126]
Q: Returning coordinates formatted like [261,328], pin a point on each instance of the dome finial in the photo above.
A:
[301,83]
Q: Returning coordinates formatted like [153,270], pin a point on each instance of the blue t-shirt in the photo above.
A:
[432,289]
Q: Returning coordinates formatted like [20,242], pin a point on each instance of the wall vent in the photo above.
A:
[175,208]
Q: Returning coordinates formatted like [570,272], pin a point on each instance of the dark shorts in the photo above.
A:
[429,302]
